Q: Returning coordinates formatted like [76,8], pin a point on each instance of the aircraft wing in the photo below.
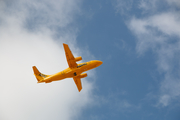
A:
[77,80]
[69,56]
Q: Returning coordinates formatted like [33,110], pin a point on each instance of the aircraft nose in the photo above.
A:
[99,63]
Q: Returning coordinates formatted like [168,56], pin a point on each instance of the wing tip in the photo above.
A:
[64,44]
[80,89]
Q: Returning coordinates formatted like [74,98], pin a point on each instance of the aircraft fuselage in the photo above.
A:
[71,72]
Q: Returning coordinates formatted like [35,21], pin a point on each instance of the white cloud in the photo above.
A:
[168,23]
[147,5]
[174,2]
[21,97]
[159,32]
[123,6]
[47,13]
[164,100]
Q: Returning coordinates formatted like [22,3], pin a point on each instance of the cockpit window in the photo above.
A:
[81,65]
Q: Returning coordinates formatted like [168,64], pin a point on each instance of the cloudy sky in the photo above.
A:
[138,42]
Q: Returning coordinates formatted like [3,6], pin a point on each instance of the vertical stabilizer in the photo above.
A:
[39,76]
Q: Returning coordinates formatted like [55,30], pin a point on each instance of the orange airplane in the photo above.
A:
[74,71]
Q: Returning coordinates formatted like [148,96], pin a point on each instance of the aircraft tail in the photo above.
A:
[39,76]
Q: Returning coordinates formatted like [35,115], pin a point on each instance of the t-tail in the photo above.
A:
[39,76]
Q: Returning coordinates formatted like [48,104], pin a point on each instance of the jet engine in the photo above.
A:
[78,58]
[83,75]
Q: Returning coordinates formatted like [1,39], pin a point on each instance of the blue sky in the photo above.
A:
[138,42]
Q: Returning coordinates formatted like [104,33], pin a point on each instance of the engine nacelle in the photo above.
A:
[83,75]
[78,58]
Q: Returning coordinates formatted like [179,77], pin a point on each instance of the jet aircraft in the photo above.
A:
[74,71]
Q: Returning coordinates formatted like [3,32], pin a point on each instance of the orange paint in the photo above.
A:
[74,71]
